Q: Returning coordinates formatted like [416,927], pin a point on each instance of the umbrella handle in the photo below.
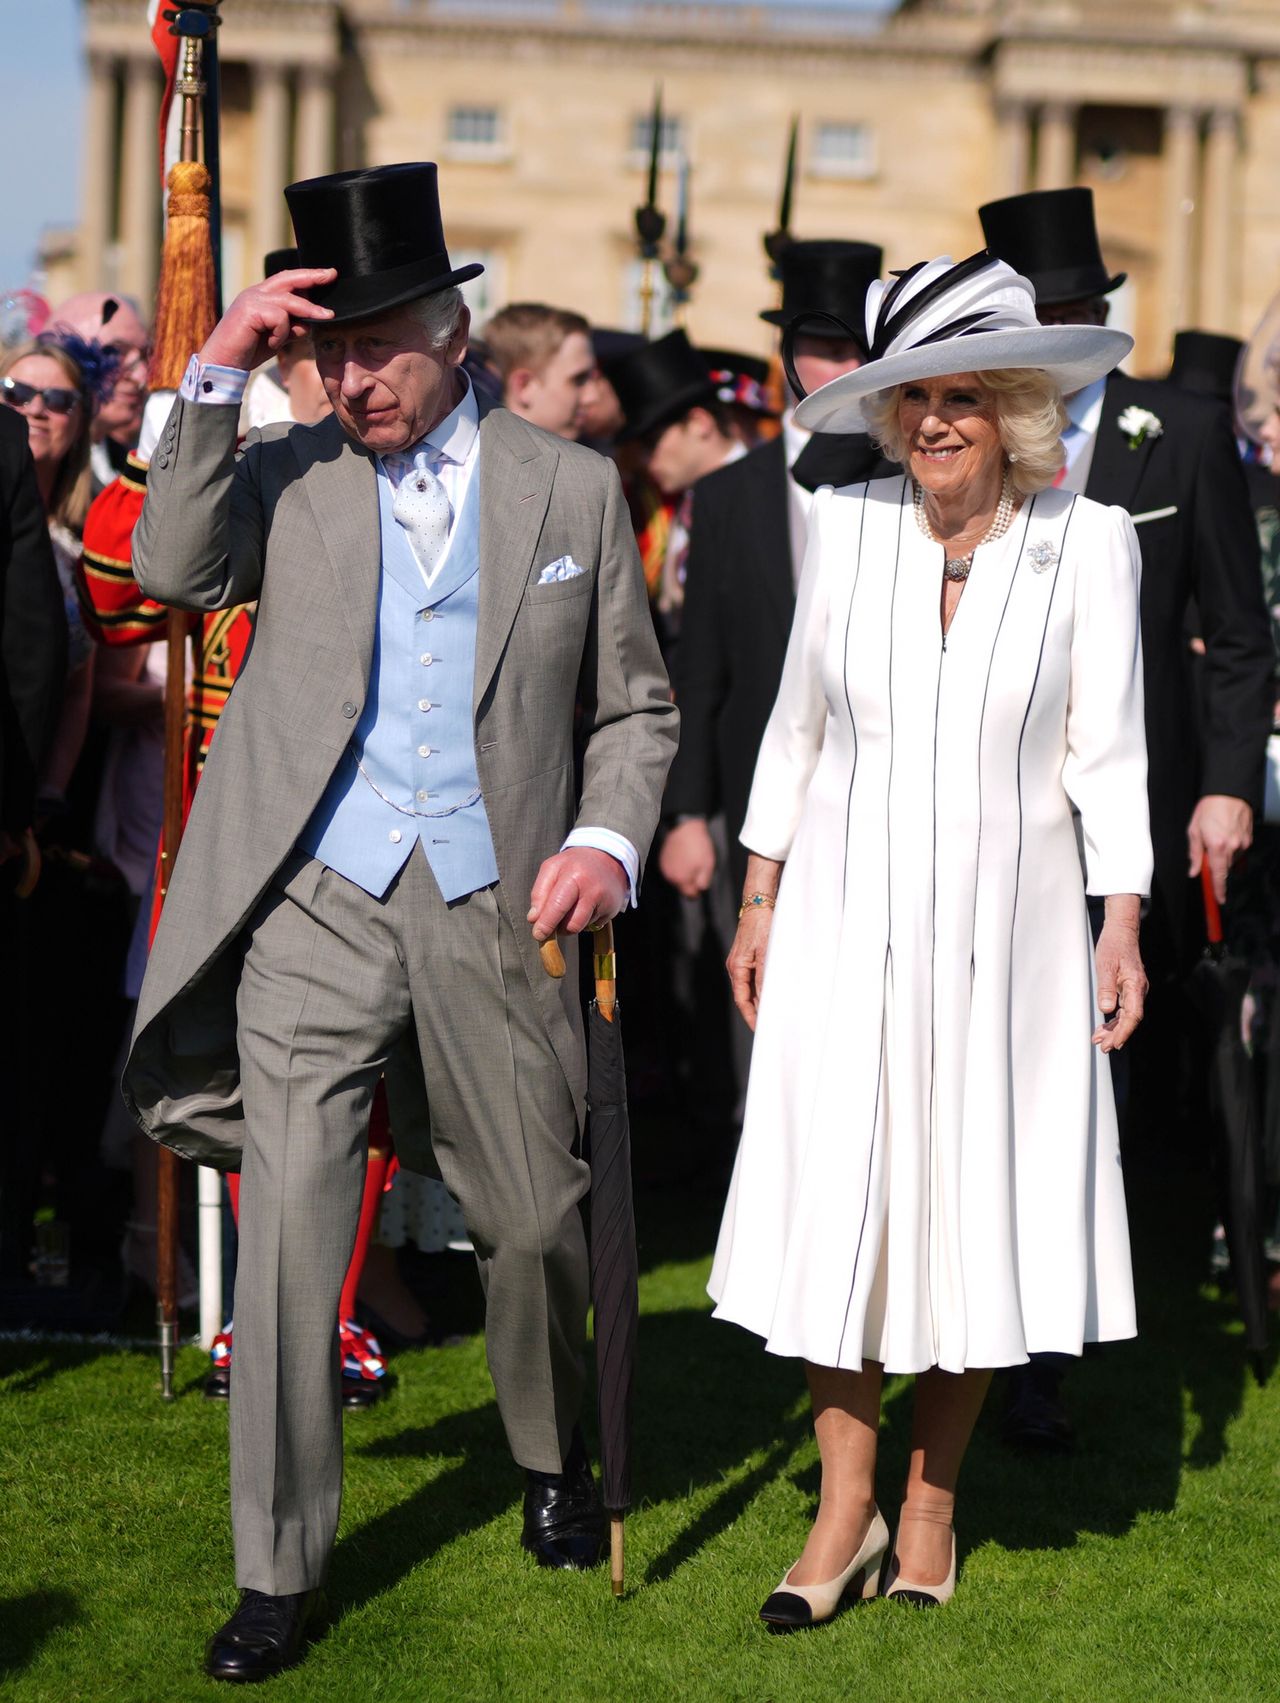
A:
[616,1567]
[1212,910]
[606,973]
[552,957]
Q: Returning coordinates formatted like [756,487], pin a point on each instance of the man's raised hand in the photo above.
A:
[265,317]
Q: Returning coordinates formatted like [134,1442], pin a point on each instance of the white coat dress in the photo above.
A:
[929,1171]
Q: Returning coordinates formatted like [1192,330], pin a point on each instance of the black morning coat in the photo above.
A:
[738,606]
[33,627]
[1185,489]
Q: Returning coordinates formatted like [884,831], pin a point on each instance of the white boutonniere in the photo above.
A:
[1139,424]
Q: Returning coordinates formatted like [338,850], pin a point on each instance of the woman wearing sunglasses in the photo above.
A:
[53,384]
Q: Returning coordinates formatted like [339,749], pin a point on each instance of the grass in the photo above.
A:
[1142,1567]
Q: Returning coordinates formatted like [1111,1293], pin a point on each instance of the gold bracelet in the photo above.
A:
[753,902]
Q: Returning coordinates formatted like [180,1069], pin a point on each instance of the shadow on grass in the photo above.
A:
[466,1496]
[27,1365]
[28,1621]
[714,1412]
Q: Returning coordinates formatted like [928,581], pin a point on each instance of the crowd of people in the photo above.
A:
[973,644]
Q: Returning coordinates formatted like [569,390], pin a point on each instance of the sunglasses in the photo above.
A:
[56,399]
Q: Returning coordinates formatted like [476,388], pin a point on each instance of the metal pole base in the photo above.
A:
[168,1352]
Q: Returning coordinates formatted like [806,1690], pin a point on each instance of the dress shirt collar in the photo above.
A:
[1084,407]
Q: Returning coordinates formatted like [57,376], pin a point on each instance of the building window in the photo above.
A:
[475,132]
[841,149]
[670,139]
[483,294]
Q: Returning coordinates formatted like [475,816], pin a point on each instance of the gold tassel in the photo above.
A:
[185,299]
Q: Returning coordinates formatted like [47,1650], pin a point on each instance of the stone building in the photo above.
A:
[537,111]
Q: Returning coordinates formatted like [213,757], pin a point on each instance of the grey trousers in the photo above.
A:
[331,979]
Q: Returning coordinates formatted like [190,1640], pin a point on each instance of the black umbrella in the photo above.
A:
[1218,986]
[615,1281]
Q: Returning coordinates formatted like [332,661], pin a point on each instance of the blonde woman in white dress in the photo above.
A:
[929,1176]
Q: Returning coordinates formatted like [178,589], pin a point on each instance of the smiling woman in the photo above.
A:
[929,1174]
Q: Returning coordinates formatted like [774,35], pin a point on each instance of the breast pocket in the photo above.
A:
[557,591]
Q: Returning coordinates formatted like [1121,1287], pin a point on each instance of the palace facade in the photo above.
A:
[538,112]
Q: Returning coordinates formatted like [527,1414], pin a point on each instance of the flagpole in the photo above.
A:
[185,314]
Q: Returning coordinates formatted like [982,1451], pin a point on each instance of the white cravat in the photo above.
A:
[423,508]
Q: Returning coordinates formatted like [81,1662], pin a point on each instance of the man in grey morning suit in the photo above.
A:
[387,820]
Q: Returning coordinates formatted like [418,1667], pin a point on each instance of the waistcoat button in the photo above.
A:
[348,710]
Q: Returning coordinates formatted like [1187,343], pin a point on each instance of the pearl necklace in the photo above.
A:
[957,567]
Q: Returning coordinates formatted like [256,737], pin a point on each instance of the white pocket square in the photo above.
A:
[1154,514]
[564,568]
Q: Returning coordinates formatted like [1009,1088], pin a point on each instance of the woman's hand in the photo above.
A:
[745,962]
[1122,981]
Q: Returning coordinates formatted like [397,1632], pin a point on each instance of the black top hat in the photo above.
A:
[279,260]
[828,279]
[740,378]
[382,230]
[610,345]
[659,382]
[1205,362]
[1051,237]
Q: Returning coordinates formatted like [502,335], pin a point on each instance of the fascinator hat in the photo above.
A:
[941,317]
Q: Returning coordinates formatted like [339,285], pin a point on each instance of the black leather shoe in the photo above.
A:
[563,1519]
[1036,1417]
[264,1636]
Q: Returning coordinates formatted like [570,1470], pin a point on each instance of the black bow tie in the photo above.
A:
[834,458]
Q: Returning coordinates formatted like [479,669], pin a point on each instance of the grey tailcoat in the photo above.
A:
[293,523]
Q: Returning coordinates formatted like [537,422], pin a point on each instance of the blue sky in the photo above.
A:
[41,100]
[41,106]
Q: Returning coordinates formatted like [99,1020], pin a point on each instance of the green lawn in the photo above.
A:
[1144,1566]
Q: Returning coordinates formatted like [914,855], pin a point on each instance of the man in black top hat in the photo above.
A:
[744,560]
[1169,457]
[450,608]
[670,405]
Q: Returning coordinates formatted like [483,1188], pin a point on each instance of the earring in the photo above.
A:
[1012,459]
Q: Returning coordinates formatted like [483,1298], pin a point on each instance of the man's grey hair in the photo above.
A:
[439,314]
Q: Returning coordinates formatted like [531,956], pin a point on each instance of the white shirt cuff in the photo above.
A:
[212,383]
[617,845]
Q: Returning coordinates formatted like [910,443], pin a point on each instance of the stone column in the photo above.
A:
[271,146]
[1181,154]
[142,197]
[1015,148]
[315,121]
[1218,227]
[1057,163]
[98,175]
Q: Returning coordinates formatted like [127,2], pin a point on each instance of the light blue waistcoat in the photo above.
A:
[424,653]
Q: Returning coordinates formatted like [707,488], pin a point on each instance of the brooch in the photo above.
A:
[1042,556]
[1139,424]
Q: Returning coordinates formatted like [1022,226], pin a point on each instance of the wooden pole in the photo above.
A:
[190,88]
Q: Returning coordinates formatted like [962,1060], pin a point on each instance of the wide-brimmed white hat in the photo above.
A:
[941,317]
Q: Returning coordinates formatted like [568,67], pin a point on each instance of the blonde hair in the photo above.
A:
[1030,419]
[529,335]
[73,483]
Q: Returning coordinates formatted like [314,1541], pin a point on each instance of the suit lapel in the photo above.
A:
[516,472]
[341,484]
[1116,470]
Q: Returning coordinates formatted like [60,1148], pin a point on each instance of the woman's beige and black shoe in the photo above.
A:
[920,1596]
[792,1607]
